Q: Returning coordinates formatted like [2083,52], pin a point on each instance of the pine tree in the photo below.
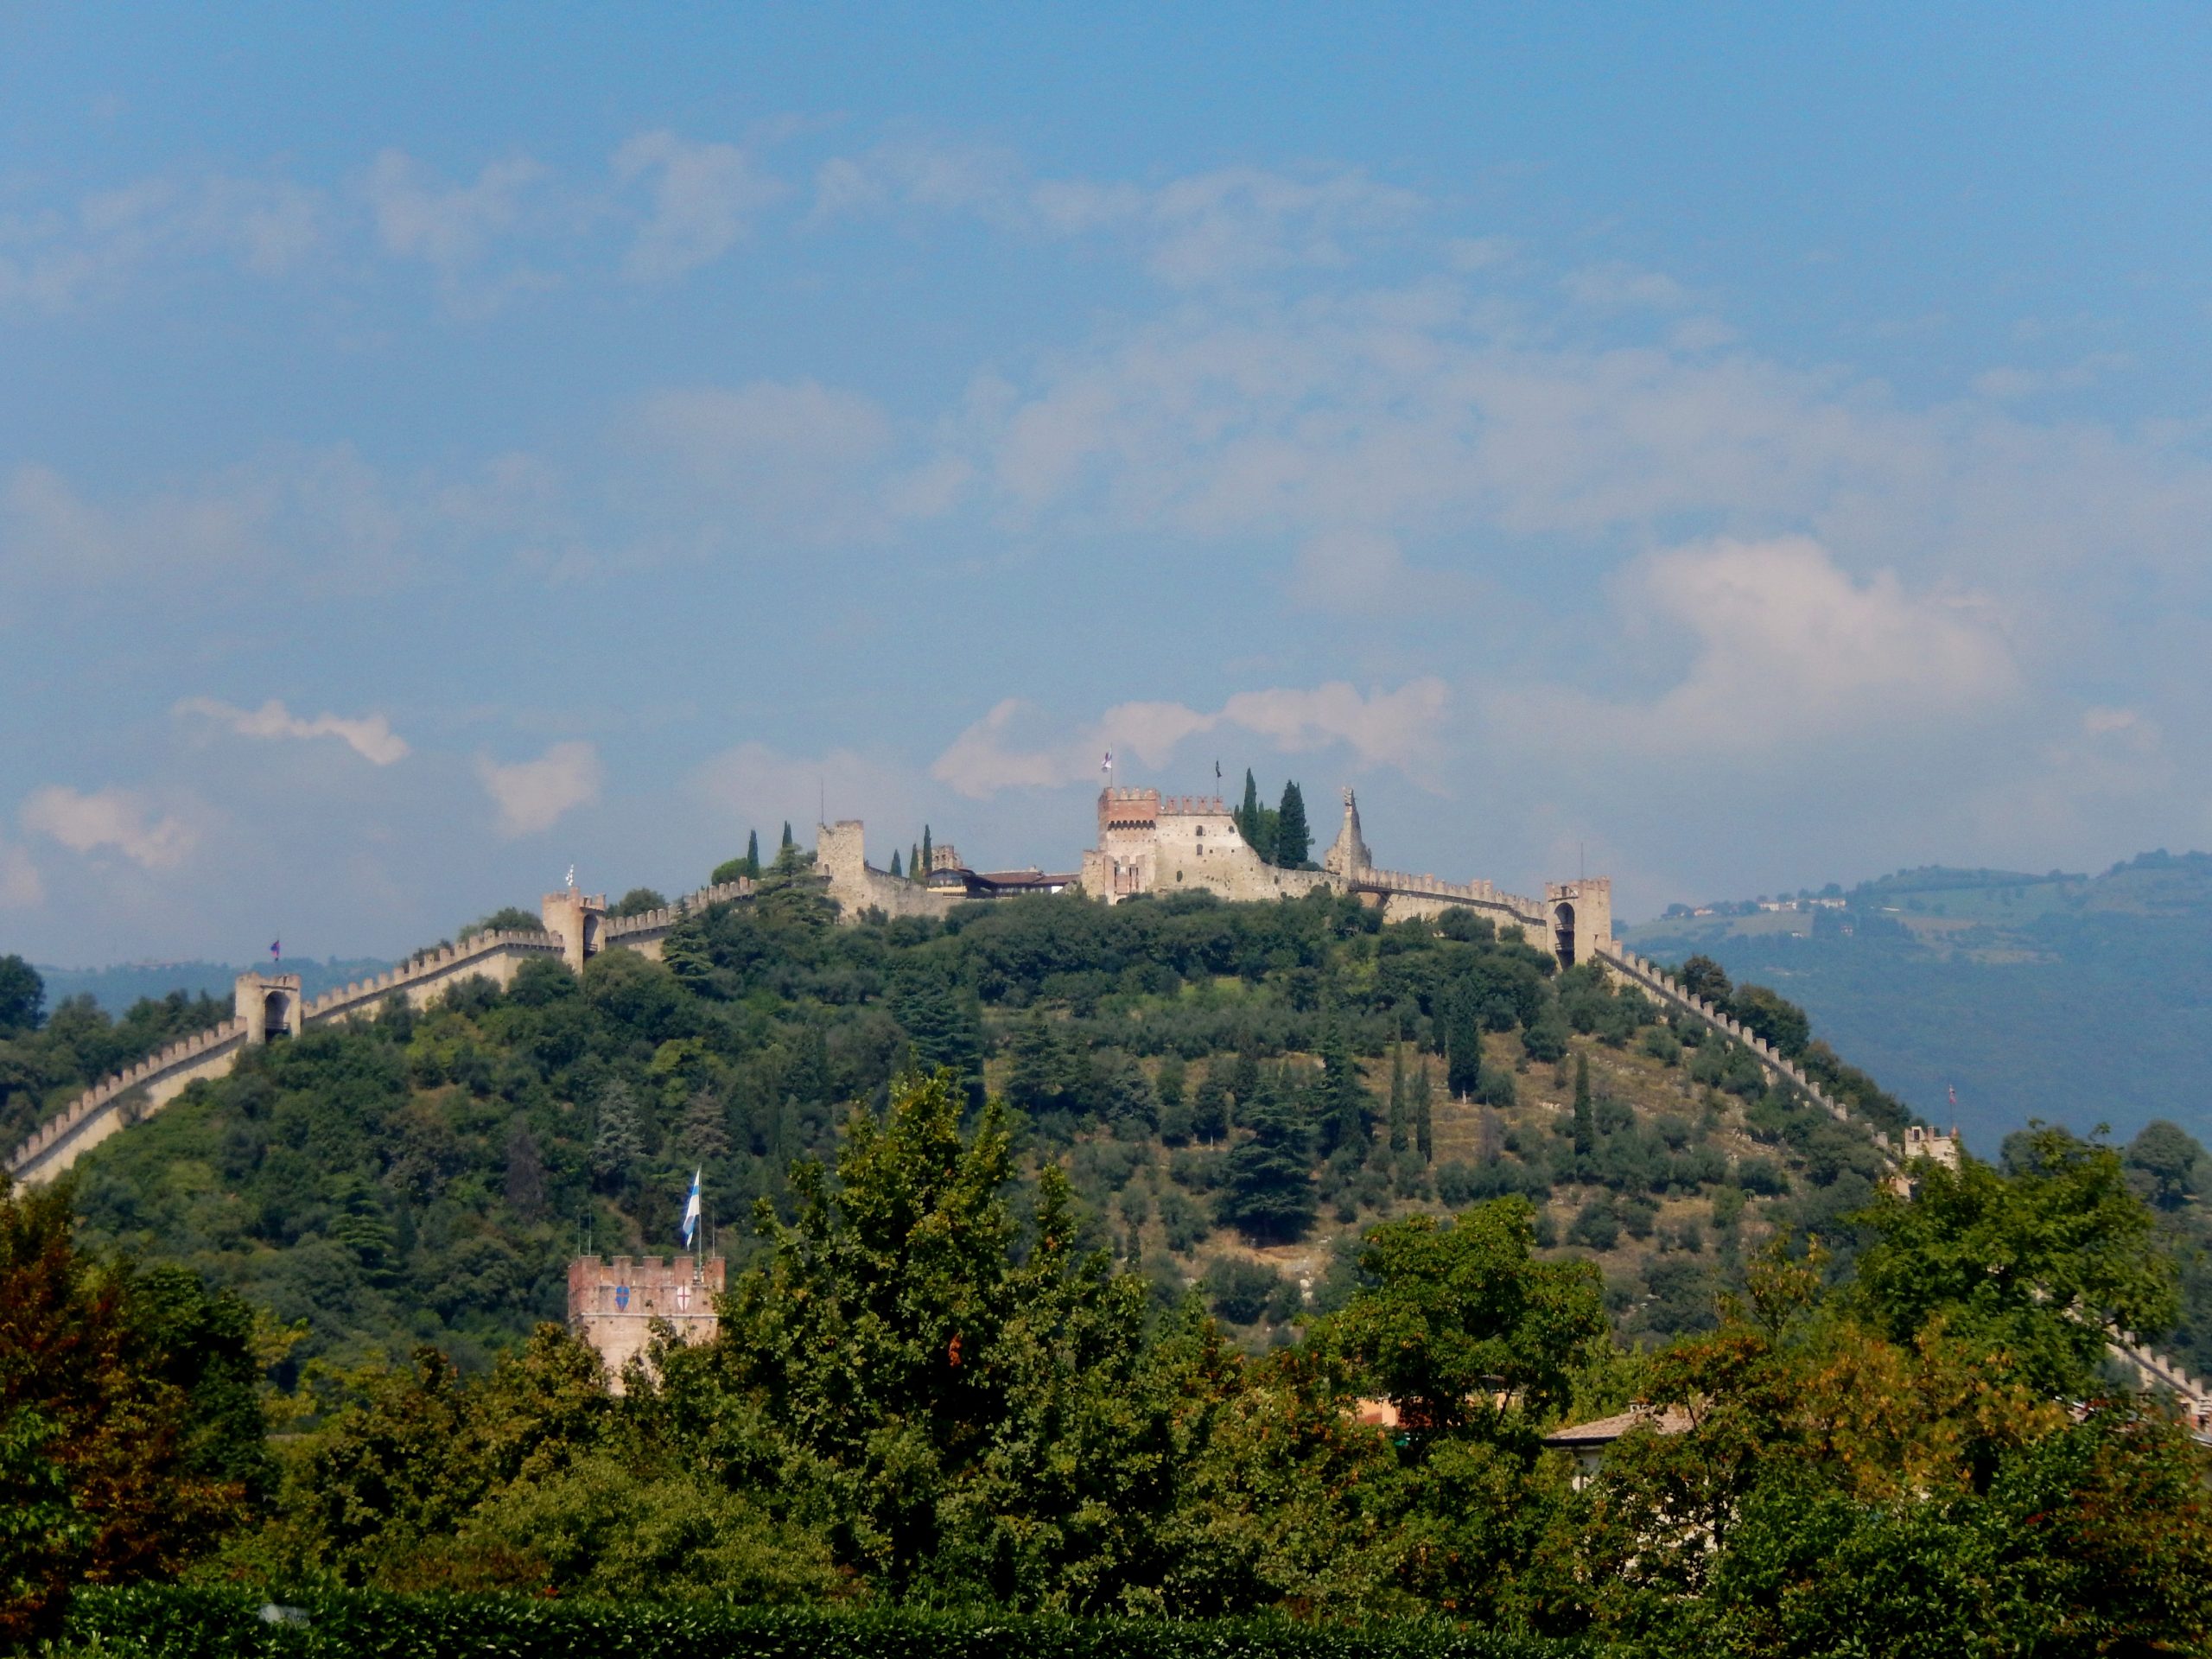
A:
[787,841]
[705,1134]
[1463,1045]
[895,871]
[1423,1133]
[617,1146]
[1293,840]
[1210,1106]
[1038,1082]
[1399,1104]
[1585,1117]
[1343,1107]
[1268,1190]
[753,854]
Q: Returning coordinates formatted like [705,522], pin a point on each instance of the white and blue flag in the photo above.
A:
[691,1210]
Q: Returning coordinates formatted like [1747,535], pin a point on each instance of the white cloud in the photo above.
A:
[702,195]
[1618,287]
[533,796]
[55,261]
[21,888]
[370,736]
[1392,728]
[1201,229]
[452,228]
[108,817]
[1791,652]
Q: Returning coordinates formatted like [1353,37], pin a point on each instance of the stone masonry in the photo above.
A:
[613,1304]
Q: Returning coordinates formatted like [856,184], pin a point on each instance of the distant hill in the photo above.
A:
[2073,999]
[116,989]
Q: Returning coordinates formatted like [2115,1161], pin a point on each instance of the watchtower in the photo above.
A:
[1581,917]
[269,1006]
[576,919]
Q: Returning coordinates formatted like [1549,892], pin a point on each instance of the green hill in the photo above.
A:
[1236,1091]
[2071,999]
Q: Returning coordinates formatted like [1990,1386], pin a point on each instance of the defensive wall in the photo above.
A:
[613,1304]
[269,1005]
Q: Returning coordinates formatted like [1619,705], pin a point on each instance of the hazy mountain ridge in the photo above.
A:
[2071,999]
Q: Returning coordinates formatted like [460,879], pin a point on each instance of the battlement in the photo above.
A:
[613,1303]
[1193,806]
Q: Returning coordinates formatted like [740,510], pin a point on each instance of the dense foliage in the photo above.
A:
[178,1623]
[48,1057]
[922,1398]
[1222,1085]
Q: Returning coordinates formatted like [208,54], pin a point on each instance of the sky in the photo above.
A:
[1726,448]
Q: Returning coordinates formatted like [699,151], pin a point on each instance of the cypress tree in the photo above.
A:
[1462,1044]
[914,860]
[895,870]
[788,842]
[1424,1131]
[1399,1103]
[929,854]
[1293,841]
[1586,1117]
[1248,815]
[753,854]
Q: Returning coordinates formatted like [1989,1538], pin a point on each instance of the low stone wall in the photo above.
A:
[116,1103]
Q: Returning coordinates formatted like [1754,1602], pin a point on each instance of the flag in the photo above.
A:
[276,949]
[1954,1092]
[691,1210]
[1216,771]
[1107,764]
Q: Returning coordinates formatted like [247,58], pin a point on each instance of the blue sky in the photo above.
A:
[1737,448]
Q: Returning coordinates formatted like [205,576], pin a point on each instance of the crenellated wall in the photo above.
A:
[857,885]
[118,1101]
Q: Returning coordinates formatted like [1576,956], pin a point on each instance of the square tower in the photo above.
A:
[613,1303]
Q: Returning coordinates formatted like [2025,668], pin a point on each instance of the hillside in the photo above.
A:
[1235,1090]
[2067,998]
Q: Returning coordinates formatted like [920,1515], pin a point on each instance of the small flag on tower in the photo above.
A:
[276,949]
[1952,1090]
[1107,764]
[691,1210]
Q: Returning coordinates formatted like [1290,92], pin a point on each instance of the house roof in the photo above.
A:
[1603,1431]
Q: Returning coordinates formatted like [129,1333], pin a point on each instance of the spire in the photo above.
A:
[1349,851]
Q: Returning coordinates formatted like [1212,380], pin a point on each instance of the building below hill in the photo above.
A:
[613,1303]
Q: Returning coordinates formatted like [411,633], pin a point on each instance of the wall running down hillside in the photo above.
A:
[116,1103]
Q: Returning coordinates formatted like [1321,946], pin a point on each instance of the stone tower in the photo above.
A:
[1581,917]
[576,919]
[269,1006]
[613,1303]
[1349,851]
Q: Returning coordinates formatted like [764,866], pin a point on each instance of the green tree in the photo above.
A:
[705,1136]
[787,843]
[1401,1107]
[1463,1328]
[638,901]
[1586,1115]
[1423,1133]
[898,871]
[2169,1163]
[928,856]
[22,996]
[1268,1192]
[1293,841]
[982,1416]
[2036,1267]
[1346,1111]
[617,1145]
[131,1428]
[1463,1044]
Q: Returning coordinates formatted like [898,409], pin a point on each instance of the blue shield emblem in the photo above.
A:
[621,1298]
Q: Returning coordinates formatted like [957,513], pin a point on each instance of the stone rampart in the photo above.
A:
[645,931]
[857,886]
